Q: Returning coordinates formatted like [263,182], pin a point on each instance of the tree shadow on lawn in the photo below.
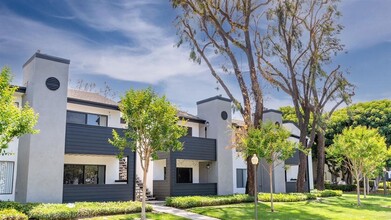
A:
[369,204]
[246,211]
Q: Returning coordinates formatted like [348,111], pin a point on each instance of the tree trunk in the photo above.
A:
[143,215]
[302,172]
[385,184]
[250,177]
[358,191]
[364,181]
[271,186]
[320,162]
[368,187]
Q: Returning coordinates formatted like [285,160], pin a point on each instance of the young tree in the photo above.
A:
[14,122]
[221,34]
[152,126]
[359,148]
[303,36]
[271,142]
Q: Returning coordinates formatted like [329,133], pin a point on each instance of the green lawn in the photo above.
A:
[374,207]
[157,216]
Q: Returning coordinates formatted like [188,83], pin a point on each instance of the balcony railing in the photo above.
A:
[98,193]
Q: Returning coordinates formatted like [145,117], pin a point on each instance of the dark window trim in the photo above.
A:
[13,175]
[84,171]
[190,168]
[86,119]
[244,170]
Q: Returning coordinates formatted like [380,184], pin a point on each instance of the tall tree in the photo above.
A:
[221,34]
[303,36]
[360,148]
[152,126]
[14,121]
[271,142]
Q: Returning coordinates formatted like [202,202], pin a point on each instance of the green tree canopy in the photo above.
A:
[271,142]
[373,114]
[14,121]
[152,126]
[359,148]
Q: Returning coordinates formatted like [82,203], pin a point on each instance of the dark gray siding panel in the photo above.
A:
[194,189]
[87,139]
[98,193]
[294,160]
[196,148]
[291,187]
[161,189]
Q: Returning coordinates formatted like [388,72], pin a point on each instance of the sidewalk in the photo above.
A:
[159,207]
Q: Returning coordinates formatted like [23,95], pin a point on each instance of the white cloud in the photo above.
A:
[151,59]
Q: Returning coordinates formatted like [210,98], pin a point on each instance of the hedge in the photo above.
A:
[84,209]
[344,188]
[283,197]
[12,214]
[388,184]
[24,208]
[184,202]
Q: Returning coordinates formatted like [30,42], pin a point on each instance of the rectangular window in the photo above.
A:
[184,175]
[241,178]
[6,177]
[84,174]
[86,118]
[189,131]
[291,173]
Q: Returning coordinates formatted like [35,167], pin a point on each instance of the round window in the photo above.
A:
[52,83]
[224,115]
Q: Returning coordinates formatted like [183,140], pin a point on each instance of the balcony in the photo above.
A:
[98,193]
[88,139]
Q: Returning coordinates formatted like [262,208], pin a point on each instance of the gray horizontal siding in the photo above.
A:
[98,193]
[291,187]
[196,148]
[294,160]
[87,139]
[194,189]
[161,189]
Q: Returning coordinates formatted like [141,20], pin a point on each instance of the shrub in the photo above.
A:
[84,209]
[328,193]
[184,202]
[12,214]
[388,184]
[283,197]
[344,188]
[24,208]
[371,183]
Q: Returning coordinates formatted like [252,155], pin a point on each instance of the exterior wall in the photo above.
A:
[113,118]
[41,156]
[194,164]
[140,172]
[211,110]
[238,163]
[111,163]
[158,169]
[11,155]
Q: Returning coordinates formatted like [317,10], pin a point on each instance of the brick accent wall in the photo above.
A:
[123,169]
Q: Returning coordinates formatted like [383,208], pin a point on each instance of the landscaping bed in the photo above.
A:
[14,210]
[185,202]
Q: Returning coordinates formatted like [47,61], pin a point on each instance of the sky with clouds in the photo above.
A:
[131,44]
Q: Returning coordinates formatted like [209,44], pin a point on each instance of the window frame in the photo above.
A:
[13,177]
[244,171]
[191,174]
[84,168]
[86,118]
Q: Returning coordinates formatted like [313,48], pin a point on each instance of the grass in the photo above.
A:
[374,207]
[157,216]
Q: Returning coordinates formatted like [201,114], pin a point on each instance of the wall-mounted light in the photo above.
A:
[207,166]
[206,128]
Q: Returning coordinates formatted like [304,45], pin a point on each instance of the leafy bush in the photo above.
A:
[344,188]
[196,201]
[283,197]
[371,183]
[24,208]
[388,184]
[12,214]
[328,193]
[84,209]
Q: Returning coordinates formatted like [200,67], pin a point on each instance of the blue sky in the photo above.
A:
[131,44]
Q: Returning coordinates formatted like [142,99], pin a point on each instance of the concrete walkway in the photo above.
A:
[159,207]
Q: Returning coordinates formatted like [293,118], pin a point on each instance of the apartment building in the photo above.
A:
[71,160]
